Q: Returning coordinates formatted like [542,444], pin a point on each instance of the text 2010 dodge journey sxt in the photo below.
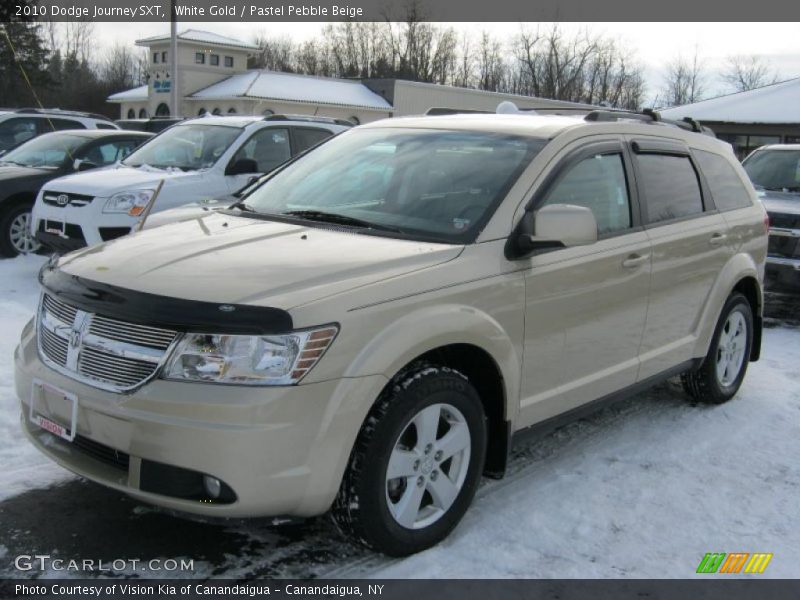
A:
[367,331]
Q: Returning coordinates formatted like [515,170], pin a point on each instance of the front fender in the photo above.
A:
[400,343]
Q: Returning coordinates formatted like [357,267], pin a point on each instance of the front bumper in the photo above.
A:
[282,450]
[67,228]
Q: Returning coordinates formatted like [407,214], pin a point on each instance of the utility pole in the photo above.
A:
[173,63]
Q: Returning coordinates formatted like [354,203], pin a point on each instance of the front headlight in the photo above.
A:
[248,360]
[132,202]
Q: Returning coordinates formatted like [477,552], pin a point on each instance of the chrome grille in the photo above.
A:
[97,350]
[132,333]
[64,313]
[63,199]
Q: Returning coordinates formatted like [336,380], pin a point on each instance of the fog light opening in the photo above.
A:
[213,486]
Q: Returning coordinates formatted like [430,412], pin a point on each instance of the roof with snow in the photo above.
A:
[271,85]
[197,35]
[137,93]
[776,103]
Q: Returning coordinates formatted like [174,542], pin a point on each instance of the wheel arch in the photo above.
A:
[462,338]
[740,274]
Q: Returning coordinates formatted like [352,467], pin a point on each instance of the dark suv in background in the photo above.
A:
[775,173]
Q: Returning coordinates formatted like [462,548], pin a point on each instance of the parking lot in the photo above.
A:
[642,489]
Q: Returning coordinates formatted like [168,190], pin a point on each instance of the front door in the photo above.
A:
[586,305]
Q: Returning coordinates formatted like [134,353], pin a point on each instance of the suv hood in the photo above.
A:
[787,203]
[229,259]
[108,181]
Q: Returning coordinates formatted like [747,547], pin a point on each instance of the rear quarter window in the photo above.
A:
[726,187]
[671,187]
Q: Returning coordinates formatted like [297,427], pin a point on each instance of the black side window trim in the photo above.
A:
[293,140]
[575,156]
[705,194]
[659,146]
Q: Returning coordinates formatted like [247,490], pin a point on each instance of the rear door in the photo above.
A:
[586,305]
[690,242]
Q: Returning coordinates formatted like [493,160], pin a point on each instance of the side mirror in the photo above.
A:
[566,223]
[552,227]
[241,166]
[83,165]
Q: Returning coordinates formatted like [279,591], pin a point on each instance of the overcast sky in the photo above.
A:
[654,43]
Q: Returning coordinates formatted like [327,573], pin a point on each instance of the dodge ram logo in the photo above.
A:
[62,199]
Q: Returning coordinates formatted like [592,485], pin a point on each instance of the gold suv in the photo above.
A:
[368,330]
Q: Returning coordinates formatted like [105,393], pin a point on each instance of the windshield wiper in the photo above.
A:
[243,206]
[326,217]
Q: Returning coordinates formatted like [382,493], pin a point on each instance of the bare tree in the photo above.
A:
[275,54]
[744,73]
[490,64]
[685,81]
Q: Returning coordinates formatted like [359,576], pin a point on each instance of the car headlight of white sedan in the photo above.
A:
[132,202]
[248,360]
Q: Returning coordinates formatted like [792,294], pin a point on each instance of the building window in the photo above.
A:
[162,110]
[745,144]
[216,111]
[214,60]
[164,56]
[231,111]
[229,61]
[354,120]
[201,112]
[142,113]
[131,113]
[155,57]
[199,58]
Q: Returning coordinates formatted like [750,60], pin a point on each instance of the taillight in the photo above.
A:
[766,223]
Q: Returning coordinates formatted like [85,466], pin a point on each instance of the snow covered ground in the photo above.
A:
[642,489]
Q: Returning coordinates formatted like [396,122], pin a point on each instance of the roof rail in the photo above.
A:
[649,116]
[59,111]
[309,118]
[437,111]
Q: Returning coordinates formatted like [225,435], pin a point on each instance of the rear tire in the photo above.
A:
[416,464]
[725,365]
[15,235]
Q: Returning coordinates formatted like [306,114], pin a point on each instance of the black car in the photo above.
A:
[27,167]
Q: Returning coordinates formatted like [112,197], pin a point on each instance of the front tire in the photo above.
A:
[416,464]
[15,233]
[725,365]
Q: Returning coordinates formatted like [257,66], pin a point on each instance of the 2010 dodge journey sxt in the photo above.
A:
[365,332]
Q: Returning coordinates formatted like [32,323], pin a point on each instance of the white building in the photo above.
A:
[765,115]
[213,78]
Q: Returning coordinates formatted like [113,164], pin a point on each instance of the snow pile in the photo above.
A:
[23,466]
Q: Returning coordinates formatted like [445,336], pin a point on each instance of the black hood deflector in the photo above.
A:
[179,314]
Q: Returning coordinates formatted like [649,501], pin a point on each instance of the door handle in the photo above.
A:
[717,239]
[634,260]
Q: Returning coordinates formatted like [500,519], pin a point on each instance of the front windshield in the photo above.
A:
[186,147]
[775,169]
[435,184]
[45,151]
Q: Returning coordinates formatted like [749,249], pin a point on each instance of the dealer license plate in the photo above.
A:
[62,409]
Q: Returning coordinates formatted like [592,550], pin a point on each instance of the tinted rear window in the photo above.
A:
[726,187]
[671,187]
